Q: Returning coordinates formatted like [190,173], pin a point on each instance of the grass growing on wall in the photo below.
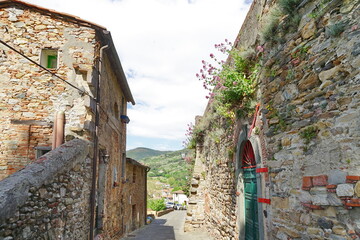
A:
[283,19]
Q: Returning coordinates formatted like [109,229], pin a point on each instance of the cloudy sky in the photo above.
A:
[161,44]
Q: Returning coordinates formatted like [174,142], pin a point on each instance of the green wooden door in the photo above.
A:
[251,206]
[250,187]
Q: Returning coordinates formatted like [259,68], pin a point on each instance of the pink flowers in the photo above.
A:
[209,73]
[260,48]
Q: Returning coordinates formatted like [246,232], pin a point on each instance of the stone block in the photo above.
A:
[320,200]
[329,74]
[345,190]
[336,177]
[339,230]
[318,190]
[357,189]
[194,182]
[280,202]
[309,82]
[309,29]
[336,237]
[333,200]
[321,180]
[325,223]
[347,6]
[314,231]
[305,219]
[290,232]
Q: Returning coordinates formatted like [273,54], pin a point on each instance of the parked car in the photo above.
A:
[179,206]
[170,205]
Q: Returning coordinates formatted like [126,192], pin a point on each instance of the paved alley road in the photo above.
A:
[167,227]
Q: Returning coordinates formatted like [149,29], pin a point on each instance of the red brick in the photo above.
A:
[355,200]
[352,178]
[320,180]
[349,204]
[51,205]
[316,207]
[307,183]
[312,206]
[331,186]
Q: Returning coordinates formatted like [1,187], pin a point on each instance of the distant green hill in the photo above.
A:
[167,167]
[141,152]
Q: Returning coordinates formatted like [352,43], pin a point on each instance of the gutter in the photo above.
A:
[117,67]
[96,146]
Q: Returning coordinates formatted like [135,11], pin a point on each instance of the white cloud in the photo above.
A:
[161,43]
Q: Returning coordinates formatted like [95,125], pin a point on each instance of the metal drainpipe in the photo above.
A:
[58,130]
[145,198]
[54,133]
[60,121]
[95,155]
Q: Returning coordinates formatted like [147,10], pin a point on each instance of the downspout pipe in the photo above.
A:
[58,130]
[96,147]
[145,197]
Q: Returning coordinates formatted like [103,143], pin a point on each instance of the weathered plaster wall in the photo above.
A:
[28,93]
[308,88]
[49,199]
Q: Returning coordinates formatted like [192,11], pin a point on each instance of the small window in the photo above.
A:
[49,58]
[134,174]
[41,151]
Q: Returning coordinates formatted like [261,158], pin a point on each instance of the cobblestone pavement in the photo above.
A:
[167,227]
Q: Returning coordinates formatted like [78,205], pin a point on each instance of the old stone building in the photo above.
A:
[134,195]
[290,169]
[61,79]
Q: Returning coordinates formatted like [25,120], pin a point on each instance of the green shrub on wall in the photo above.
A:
[231,84]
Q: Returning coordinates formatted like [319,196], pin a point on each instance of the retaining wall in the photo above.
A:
[49,198]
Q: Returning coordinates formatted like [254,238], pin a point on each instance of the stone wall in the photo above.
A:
[112,142]
[134,196]
[305,135]
[29,96]
[195,214]
[49,198]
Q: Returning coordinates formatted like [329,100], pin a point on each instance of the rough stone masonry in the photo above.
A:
[305,135]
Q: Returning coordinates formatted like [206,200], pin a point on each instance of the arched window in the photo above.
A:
[248,156]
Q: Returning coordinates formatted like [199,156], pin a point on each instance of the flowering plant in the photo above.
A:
[193,135]
[231,83]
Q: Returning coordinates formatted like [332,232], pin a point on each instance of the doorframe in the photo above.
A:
[240,210]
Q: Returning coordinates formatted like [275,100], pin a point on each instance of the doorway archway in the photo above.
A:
[249,187]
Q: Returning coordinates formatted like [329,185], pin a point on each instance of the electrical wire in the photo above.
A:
[57,76]
[42,67]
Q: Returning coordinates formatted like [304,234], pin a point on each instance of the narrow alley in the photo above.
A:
[167,227]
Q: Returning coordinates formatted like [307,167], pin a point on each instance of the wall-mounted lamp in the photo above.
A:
[124,119]
[105,158]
